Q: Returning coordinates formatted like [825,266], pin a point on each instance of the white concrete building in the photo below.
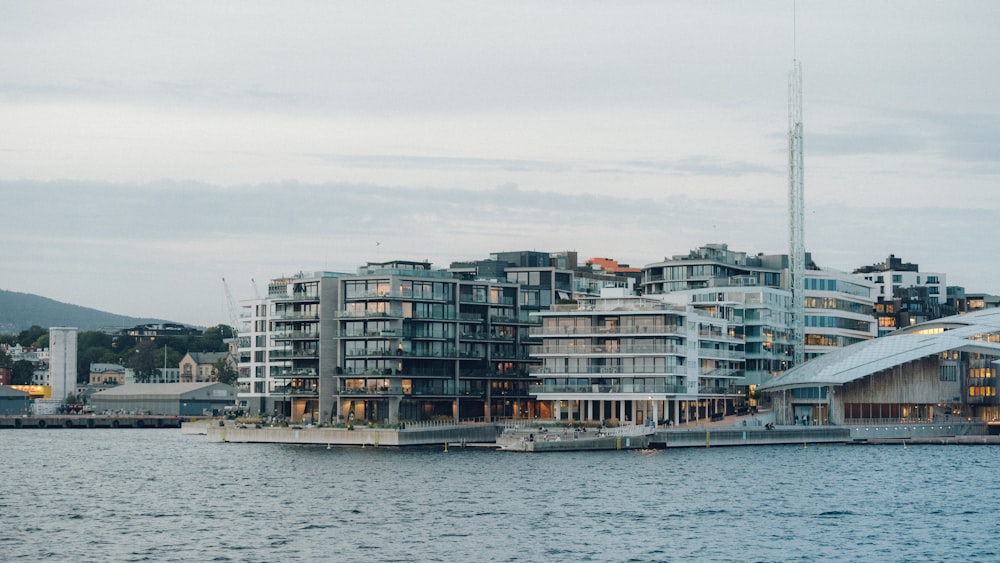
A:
[635,359]
[894,274]
[62,361]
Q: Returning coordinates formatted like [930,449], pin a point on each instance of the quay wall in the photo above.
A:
[88,421]
[914,431]
[750,436]
[357,437]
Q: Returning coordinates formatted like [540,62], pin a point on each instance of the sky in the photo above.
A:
[149,150]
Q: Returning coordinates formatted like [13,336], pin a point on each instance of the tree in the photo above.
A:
[215,337]
[30,336]
[22,372]
[143,361]
[224,372]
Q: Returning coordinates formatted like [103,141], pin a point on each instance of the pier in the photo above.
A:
[724,433]
[411,435]
[79,421]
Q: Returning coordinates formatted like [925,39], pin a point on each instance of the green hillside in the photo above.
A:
[19,311]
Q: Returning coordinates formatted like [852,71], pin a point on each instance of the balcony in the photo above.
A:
[379,390]
[605,350]
[485,300]
[295,296]
[722,372]
[718,353]
[295,316]
[289,391]
[297,335]
[548,387]
[295,374]
[710,390]
[367,314]
[277,355]
[548,372]
[655,330]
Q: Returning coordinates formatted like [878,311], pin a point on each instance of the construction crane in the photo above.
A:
[232,309]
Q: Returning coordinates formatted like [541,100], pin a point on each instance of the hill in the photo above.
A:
[19,311]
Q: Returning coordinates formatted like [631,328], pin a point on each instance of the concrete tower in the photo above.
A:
[62,362]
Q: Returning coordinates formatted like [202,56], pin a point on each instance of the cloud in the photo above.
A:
[382,161]
[704,166]
[160,249]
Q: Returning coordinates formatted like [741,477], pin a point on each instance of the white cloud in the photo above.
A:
[168,141]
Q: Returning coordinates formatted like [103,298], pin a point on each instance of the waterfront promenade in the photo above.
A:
[732,431]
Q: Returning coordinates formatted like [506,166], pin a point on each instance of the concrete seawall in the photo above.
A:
[708,437]
[357,437]
[89,421]
[701,437]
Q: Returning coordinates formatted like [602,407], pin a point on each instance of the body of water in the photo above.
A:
[158,495]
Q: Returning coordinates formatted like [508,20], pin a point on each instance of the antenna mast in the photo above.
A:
[796,210]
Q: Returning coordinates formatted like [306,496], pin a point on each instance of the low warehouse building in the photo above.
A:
[14,401]
[172,399]
[926,372]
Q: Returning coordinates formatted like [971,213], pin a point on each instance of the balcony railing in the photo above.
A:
[605,330]
[381,390]
[295,316]
[722,372]
[709,390]
[605,350]
[717,353]
[296,335]
[486,300]
[295,296]
[294,391]
[547,387]
[547,372]
[292,354]
[295,374]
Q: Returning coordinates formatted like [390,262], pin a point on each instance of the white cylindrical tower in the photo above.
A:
[62,361]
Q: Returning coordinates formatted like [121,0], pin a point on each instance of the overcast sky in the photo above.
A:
[150,149]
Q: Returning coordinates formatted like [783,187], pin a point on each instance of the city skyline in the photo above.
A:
[166,146]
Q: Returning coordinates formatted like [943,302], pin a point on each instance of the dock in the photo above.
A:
[526,436]
[84,421]
[411,435]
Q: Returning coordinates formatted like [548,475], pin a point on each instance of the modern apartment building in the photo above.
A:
[905,296]
[546,278]
[838,311]
[635,359]
[894,274]
[838,306]
[395,341]
[758,315]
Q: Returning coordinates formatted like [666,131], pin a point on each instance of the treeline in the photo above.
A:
[94,347]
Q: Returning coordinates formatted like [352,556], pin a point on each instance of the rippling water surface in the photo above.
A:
[158,495]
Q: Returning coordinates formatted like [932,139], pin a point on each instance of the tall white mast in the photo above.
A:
[796,212]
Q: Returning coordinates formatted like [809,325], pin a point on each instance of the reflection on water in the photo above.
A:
[157,495]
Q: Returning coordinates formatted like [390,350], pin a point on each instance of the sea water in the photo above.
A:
[159,495]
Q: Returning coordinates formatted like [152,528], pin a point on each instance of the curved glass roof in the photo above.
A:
[960,332]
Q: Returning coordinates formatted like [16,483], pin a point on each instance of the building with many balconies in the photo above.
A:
[751,290]
[395,341]
[636,359]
